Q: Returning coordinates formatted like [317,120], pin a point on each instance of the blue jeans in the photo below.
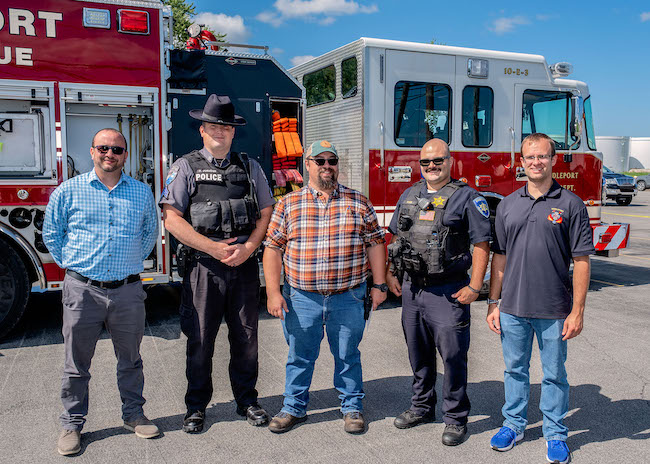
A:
[517,343]
[342,317]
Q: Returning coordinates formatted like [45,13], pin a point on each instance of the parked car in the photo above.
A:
[642,182]
[618,187]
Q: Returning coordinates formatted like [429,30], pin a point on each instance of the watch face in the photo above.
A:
[382,287]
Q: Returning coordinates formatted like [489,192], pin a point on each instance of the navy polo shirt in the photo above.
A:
[539,237]
[461,213]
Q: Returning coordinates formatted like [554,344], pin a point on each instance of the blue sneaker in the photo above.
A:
[557,452]
[505,439]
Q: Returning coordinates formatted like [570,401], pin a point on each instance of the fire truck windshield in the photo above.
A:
[589,125]
[548,112]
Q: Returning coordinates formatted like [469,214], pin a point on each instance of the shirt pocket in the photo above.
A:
[351,221]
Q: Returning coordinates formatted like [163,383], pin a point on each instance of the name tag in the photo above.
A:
[209,177]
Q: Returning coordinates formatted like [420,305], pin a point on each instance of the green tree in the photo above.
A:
[184,13]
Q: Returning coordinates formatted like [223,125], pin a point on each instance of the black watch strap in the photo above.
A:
[381,287]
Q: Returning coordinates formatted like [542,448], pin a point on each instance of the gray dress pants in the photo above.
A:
[86,310]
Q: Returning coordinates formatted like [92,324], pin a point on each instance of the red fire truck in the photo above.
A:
[381,100]
[71,67]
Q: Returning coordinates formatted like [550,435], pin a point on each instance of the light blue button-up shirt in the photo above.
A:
[102,234]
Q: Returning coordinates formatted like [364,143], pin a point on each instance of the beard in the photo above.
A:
[327,184]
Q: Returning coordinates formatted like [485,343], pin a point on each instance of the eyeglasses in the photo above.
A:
[103,149]
[424,162]
[531,158]
[322,161]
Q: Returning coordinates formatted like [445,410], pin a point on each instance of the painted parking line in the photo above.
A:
[627,215]
[607,283]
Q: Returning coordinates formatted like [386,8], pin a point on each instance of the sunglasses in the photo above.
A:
[322,161]
[103,149]
[437,161]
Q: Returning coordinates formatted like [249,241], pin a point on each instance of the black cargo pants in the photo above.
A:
[211,292]
[432,319]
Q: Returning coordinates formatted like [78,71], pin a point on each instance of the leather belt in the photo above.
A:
[338,292]
[97,283]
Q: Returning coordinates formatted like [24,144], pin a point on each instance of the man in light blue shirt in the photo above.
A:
[100,226]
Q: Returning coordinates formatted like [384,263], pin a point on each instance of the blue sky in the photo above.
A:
[608,45]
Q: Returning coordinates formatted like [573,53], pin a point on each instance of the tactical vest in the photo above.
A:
[224,204]
[424,246]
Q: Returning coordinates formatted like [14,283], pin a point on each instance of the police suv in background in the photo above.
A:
[618,187]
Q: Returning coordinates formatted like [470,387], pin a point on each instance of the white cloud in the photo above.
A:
[543,17]
[322,11]
[645,16]
[270,18]
[504,25]
[233,26]
[296,60]
[277,51]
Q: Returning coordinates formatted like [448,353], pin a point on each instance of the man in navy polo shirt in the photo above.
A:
[540,228]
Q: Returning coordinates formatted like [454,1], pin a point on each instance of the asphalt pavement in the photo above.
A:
[608,366]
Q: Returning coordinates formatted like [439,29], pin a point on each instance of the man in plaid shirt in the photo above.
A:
[327,236]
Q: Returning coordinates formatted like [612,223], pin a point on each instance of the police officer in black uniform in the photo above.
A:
[218,203]
[435,222]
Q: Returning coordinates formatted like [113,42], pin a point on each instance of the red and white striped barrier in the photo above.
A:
[611,236]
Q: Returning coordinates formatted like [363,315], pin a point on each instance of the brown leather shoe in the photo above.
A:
[69,442]
[283,422]
[353,422]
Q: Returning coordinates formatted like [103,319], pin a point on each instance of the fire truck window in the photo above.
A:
[320,86]
[547,112]
[349,77]
[589,125]
[422,112]
[478,116]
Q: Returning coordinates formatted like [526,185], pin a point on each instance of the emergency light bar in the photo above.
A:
[133,21]
[561,69]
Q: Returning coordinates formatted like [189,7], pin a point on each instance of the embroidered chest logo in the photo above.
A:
[556,216]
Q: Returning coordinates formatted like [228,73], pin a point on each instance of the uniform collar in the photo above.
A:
[212,160]
[424,189]
[553,192]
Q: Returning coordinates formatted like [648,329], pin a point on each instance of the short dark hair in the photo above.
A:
[538,137]
[111,130]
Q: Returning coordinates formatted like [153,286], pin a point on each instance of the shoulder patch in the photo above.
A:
[173,172]
[165,192]
[481,205]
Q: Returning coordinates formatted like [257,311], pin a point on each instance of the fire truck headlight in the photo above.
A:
[20,218]
[94,17]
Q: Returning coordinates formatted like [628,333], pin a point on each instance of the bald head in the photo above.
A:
[434,147]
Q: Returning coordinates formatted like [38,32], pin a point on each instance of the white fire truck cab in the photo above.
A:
[379,101]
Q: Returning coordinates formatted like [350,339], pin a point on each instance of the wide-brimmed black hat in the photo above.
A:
[218,110]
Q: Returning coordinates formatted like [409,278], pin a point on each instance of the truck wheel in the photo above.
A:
[641,185]
[14,288]
[623,201]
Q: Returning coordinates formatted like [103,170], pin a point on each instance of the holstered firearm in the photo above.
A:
[183,257]
[367,301]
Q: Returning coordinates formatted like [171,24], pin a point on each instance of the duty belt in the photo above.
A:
[111,284]
[435,280]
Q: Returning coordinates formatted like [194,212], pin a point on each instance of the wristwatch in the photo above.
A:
[381,287]
[491,301]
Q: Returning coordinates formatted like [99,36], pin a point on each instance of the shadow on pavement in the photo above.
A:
[604,273]
[595,417]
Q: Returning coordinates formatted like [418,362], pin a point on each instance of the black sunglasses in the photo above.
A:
[437,161]
[322,161]
[103,149]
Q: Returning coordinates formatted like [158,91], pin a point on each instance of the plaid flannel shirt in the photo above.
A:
[324,243]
